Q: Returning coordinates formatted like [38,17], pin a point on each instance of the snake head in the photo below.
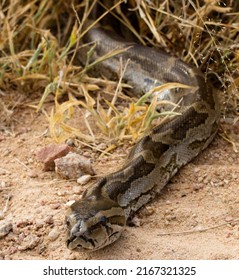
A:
[93,224]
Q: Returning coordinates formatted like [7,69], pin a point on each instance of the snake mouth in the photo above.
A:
[83,243]
[80,242]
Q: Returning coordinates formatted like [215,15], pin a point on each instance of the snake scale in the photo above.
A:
[100,216]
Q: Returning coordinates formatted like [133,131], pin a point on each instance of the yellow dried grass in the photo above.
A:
[34,55]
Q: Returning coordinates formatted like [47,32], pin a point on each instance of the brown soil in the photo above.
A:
[195,217]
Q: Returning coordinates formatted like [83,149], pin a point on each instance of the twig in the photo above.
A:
[197,230]
[7,202]
[23,164]
[118,85]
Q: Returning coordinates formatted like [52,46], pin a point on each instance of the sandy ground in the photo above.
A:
[195,217]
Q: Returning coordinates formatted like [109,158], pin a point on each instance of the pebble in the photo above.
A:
[77,190]
[69,203]
[21,236]
[150,210]
[39,223]
[3,184]
[5,228]
[49,220]
[30,160]
[226,181]
[197,187]
[29,242]
[70,142]
[24,223]
[84,179]
[55,206]
[62,193]
[73,165]
[170,217]
[87,154]
[53,234]
[200,179]
[228,219]
[48,154]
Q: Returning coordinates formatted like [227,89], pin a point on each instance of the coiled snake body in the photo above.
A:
[100,216]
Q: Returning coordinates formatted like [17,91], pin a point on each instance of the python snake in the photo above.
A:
[100,216]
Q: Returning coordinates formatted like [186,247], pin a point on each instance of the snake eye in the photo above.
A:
[103,220]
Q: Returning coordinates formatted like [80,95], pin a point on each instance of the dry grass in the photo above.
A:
[38,40]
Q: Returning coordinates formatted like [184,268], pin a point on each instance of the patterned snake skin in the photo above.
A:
[99,218]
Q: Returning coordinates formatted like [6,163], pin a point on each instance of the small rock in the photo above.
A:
[87,154]
[228,219]
[69,203]
[226,181]
[197,187]
[24,223]
[29,242]
[5,228]
[39,223]
[70,142]
[83,179]
[55,206]
[48,154]
[200,179]
[77,190]
[170,217]
[30,160]
[53,234]
[62,193]
[21,236]
[149,211]
[49,220]
[72,166]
